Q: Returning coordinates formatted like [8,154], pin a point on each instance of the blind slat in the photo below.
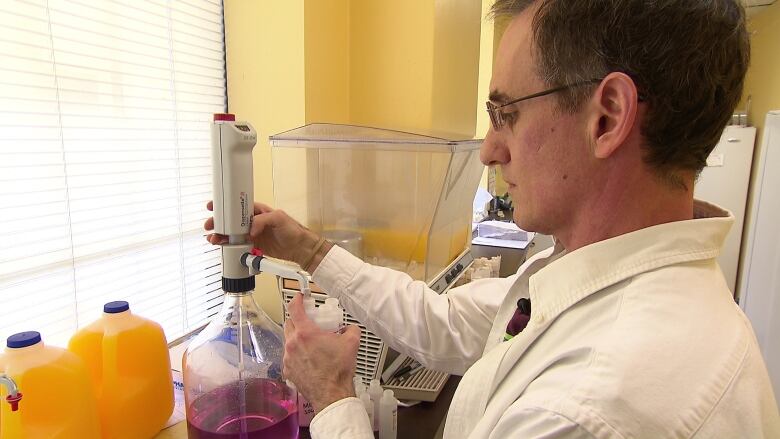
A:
[105,162]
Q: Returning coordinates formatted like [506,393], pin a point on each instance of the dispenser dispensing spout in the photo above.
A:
[304,279]
[258,263]
[14,396]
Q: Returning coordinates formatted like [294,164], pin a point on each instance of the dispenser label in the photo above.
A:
[246,218]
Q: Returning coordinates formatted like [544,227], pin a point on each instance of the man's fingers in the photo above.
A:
[259,207]
[262,208]
[289,328]
[262,220]
[353,332]
[295,308]
[216,239]
[209,224]
[298,313]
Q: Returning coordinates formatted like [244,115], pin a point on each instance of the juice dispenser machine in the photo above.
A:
[392,198]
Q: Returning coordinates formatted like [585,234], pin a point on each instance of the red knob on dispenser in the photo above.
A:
[14,401]
[224,117]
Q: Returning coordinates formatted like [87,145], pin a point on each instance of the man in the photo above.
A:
[603,113]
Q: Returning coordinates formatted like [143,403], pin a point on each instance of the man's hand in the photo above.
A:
[320,363]
[275,233]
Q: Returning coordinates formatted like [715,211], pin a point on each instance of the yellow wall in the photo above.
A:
[487,46]
[457,25]
[326,60]
[265,82]
[404,64]
[762,82]
[486,52]
[499,28]
[391,67]
[763,77]
[414,64]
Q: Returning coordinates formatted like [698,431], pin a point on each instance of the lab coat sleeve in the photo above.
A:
[444,332]
[344,419]
[537,423]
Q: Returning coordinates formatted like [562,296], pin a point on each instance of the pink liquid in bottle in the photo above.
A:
[271,412]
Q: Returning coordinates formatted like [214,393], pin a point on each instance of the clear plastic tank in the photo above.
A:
[395,199]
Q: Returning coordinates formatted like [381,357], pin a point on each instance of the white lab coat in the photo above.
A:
[635,336]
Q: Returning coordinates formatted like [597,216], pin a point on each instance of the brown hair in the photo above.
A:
[687,58]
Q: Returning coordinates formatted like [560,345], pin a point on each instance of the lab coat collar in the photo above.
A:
[580,273]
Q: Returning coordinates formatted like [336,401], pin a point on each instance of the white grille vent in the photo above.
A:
[424,385]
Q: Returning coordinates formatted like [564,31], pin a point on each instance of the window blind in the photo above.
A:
[105,165]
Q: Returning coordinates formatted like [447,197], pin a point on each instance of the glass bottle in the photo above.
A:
[233,384]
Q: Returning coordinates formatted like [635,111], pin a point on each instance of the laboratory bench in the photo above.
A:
[421,421]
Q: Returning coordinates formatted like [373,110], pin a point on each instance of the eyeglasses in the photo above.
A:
[498,118]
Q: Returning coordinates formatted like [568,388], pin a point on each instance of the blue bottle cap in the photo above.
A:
[116,307]
[23,339]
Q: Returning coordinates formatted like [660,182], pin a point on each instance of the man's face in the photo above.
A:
[542,152]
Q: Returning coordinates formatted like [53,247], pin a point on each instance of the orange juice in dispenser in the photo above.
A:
[127,358]
[58,400]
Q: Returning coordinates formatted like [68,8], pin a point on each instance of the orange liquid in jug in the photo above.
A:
[3,393]
[129,364]
[58,401]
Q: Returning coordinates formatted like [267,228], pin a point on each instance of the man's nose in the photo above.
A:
[493,150]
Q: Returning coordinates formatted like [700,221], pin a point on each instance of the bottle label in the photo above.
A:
[305,411]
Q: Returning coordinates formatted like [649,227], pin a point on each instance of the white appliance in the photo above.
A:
[725,182]
[759,284]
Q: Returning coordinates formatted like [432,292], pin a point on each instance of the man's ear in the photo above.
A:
[612,112]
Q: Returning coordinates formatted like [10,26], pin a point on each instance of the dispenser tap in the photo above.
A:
[14,396]
[257,263]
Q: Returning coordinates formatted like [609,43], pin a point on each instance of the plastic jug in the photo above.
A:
[127,357]
[58,402]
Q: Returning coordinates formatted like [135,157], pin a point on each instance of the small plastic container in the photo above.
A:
[368,405]
[375,392]
[388,416]
[127,356]
[59,401]
[329,317]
